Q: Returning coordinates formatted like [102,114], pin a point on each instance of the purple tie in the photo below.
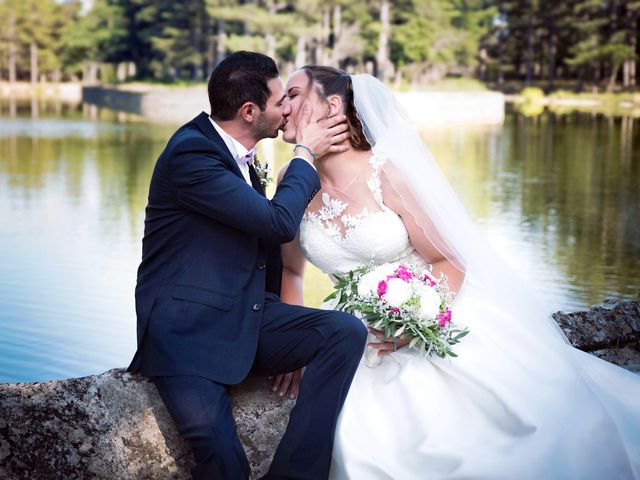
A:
[248,158]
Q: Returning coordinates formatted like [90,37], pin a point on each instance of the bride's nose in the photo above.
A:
[286,108]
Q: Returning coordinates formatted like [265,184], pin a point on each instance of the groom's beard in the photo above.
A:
[266,128]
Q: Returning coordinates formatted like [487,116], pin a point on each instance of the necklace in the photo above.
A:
[328,186]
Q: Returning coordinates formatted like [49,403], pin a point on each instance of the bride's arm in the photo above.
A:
[290,292]
[293,262]
[424,239]
[398,198]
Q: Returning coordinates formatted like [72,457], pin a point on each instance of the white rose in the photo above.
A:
[429,303]
[383,271]
[368,284]
[398,292]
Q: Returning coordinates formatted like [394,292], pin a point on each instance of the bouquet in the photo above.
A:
[402,299]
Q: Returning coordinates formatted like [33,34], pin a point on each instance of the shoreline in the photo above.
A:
[180,104]
[177,103]
[534,101]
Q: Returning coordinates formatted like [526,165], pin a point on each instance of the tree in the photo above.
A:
[424,40]
[473,21]
[98,36]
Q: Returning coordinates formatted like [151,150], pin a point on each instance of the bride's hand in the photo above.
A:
[386,344]
[286,382]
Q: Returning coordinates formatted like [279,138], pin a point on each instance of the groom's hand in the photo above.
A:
[323,136]
[286,383]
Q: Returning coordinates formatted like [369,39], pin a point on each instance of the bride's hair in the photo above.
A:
[331,81]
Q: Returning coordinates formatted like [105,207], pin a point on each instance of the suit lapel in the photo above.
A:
[205,126]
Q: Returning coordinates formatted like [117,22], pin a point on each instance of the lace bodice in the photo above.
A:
[337,239]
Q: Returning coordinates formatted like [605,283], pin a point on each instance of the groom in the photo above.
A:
[207,291]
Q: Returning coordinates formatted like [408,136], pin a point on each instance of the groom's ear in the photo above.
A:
[335,105]
[249,111]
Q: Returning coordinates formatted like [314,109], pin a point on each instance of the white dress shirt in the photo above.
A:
[238,151]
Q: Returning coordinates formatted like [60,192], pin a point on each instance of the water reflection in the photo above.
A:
[72,194]
[558,195]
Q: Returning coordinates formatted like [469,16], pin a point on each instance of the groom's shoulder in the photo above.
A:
[188,133]
[189,138]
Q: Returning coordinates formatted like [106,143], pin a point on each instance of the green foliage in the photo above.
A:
[496,40]
[532,94]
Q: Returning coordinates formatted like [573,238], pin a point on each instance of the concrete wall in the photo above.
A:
[168,105]
[63,92]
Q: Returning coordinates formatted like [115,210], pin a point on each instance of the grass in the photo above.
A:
[605,97]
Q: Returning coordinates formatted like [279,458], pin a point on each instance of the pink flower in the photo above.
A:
[404,273]
[444,318]
[426,279]
[395,311]
[382,288]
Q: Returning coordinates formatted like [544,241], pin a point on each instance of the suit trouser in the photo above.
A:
[330,344]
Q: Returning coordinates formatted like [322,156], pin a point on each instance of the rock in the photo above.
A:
[115,426]
[611,334]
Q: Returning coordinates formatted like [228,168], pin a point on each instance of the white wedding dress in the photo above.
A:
[512,405]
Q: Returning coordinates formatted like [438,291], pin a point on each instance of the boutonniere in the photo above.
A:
[263,172]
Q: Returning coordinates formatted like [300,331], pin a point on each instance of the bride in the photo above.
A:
[518,401]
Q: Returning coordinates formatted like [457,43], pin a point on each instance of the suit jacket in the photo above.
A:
[210,252]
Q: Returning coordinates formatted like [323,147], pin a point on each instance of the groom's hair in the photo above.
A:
[241,77]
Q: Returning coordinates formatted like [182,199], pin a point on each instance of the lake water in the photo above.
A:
[559,196]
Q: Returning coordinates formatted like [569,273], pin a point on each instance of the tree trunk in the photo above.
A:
[221,42]
[636,41]
[382,58]
[34,63]
[324,30]
[11,33]
[270,36]
[611,84]
[553,50]
[326,35]
[626,73]
[530,42]
[482,68]
[301,54]
[208,47]
[121,71]
[500,62]
[337,23]
[501,42]
[196,42]
[596,77]
[614,65]
[580,85]
[337,32]
[632,38]
[271,45]
[90,76]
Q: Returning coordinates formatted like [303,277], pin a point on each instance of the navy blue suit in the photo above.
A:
[208,308]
